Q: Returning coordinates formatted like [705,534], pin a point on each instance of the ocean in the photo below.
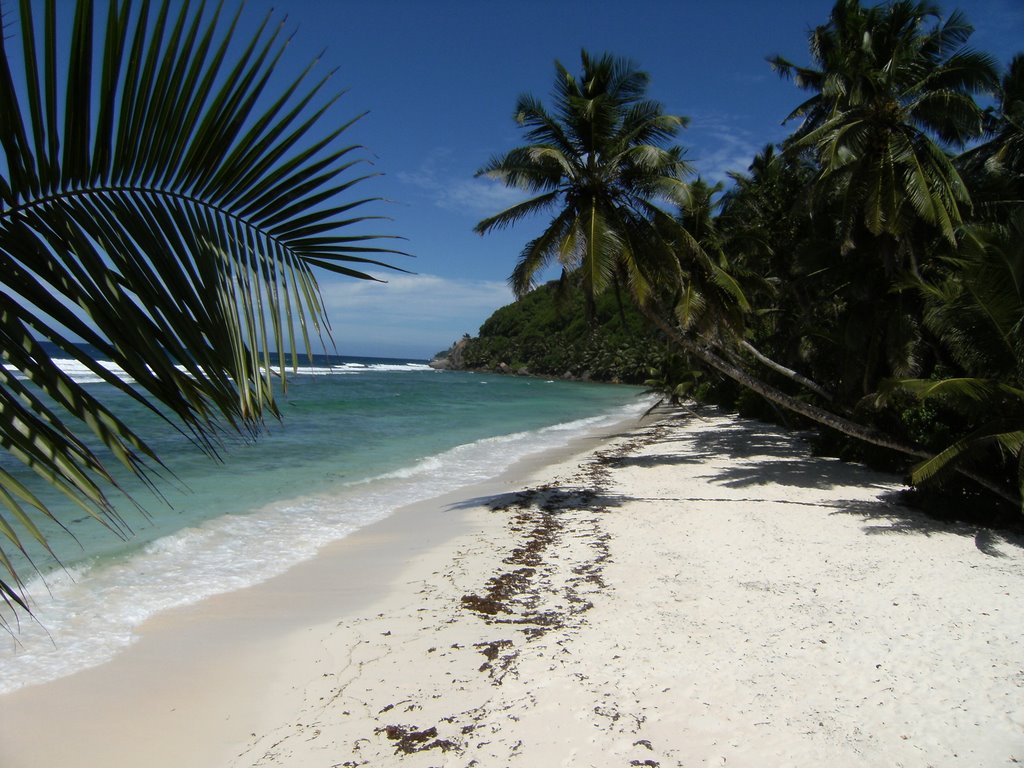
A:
[359,438]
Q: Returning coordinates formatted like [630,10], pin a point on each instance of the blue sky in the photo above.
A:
[440,80]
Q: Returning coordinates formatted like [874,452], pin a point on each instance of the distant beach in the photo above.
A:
[694,591]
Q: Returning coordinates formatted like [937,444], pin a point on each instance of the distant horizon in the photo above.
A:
[361,355]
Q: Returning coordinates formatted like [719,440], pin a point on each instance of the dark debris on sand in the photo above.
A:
[547,582]
[409,740]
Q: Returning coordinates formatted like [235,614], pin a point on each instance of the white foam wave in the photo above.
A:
[77,371]
[355,368]
[81,374]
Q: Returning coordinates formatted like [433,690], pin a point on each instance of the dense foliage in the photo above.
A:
[546,333]
[866,276]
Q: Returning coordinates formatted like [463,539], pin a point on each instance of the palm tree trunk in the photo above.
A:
[814,413]
[621,306]
[787,372]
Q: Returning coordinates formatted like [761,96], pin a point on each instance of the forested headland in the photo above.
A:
[546,333]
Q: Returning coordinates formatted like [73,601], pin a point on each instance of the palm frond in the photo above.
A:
[514,213]
[968,388]
[1012,441]
[534,168]
[159,202]
[553,243]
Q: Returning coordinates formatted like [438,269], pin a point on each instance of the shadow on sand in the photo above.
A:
[548,498]
[762,453]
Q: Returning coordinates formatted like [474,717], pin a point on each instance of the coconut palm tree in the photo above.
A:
[770,232]
[995,168]
[892,91]
[160,203]
[893,87]
[1005,152]
[600,163]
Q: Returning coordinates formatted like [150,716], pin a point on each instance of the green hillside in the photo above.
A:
[546,333]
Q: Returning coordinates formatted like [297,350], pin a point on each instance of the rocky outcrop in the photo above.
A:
[452,360]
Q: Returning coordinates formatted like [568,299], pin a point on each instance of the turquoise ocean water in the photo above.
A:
[359,438]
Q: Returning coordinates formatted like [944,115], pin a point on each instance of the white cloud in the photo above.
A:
[457,190]
[720,147]
[410,315]
[479,196]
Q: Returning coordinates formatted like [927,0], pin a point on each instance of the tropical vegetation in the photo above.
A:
[160,203]
[547,333]
[864,276]
[597,163]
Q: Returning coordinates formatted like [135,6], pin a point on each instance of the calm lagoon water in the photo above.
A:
[359,438]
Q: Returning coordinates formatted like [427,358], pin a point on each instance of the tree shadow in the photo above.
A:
[764,454]
[761,452]
[548,498]
[804,472]
[888,516]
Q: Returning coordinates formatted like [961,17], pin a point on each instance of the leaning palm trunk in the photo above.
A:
[158,204]
[816,414]
[788,373]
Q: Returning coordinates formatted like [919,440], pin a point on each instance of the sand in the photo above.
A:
[696,592]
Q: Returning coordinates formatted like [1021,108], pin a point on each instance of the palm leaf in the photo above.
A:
[1010,440]
[158,202]
[557,241]
[514,213]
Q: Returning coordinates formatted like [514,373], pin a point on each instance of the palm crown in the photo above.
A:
[600,162]
[890,77]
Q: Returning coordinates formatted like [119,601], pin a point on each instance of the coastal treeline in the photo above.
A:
[865,276]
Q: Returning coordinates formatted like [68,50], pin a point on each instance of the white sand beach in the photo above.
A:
[696,592]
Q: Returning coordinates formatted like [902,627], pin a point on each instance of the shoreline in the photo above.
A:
[688,592]
[210,539]
[243,628]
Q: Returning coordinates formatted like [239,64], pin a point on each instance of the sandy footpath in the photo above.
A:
[699,592]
